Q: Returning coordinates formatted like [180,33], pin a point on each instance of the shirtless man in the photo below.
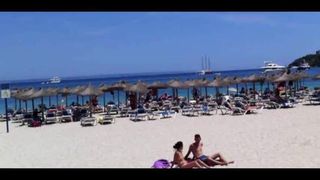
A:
[196,149]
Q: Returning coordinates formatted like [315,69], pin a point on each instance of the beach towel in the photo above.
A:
[161,164]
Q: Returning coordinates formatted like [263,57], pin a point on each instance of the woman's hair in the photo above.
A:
[178,145]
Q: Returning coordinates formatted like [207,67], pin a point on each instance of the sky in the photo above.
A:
[41,44]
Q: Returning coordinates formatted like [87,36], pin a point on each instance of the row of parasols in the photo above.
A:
[141,87]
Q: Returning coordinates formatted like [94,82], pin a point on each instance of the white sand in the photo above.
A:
[273,138]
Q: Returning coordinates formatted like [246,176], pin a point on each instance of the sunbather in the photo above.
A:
[196,149]
[181,162]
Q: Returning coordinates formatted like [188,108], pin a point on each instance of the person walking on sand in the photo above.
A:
[182,163]
[197,151]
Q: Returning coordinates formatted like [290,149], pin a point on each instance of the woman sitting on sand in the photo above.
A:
[181,162]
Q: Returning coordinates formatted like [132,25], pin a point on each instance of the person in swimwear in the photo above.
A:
[182,163]
[196,149]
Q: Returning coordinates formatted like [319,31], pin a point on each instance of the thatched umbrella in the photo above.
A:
[271,78]
[104,89]
[40,94]
[64,92]
[175,85]
[217,83]
[158,85]
[26,95]
[296,77]
[191,83]
[227,81]
[284,78]
[15,94]
[90,91]
[139,88]
[253,79]
[237,81]
[204,83]
[52,92]
[118,86]
[76,90]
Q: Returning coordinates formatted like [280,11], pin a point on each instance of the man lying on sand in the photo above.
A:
[196,149]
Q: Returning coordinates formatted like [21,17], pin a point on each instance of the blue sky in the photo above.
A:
[41,45]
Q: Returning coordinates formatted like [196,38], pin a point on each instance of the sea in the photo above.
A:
[133,78]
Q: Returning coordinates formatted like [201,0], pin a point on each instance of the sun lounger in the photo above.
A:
[66,117]
[88,121]
[18,118]
[50,118]
[166,113]
[27,118]
[103,118]
[139,116]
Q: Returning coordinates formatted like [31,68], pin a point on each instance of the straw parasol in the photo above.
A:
[121,85]
[175,85]
[40,94]
[157,85]
[90,91]
[26,95]
[284,78]
[52,92]
[217,83]
[139,87]
[64,92]
[227,81]
[104,88]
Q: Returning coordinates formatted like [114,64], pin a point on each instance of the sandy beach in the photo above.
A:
[272,138]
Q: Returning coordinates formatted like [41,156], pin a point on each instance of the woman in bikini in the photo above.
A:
[182,163]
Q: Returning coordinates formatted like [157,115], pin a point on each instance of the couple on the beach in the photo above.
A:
[199,160]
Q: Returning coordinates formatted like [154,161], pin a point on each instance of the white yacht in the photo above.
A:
[304,66]
[55,80]
[270,66]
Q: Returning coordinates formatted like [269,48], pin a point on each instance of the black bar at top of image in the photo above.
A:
[163,5]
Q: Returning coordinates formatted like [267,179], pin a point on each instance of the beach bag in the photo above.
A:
[161,164]
[35,124]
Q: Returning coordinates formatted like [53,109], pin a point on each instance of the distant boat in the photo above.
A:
[206,69]
[304,66]
[54,80]
[269,66]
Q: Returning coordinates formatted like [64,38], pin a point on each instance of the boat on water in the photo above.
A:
[206,69]
[303,66]
[53,80]
[269,66]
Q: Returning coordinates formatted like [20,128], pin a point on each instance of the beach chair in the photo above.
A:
[27,118]
[104,118]
[232,110]
[66,116]
[18,118]
[205,110]
[88,121]
[50,118]
[124,112]
[166,113]
[139,115]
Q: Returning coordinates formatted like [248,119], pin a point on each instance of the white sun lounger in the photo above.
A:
[88,121]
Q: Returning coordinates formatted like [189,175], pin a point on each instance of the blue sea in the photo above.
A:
[132,78]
